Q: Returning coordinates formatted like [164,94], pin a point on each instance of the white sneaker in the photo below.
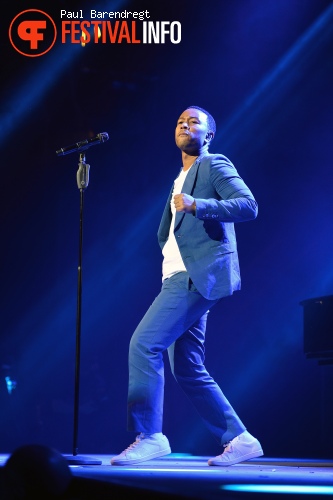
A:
[143,449]
[237,450]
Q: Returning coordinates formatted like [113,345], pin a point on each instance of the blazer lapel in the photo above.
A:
[191,177]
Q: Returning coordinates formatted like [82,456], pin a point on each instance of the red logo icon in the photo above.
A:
[32,33]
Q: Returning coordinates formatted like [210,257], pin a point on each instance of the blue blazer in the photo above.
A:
[206,240]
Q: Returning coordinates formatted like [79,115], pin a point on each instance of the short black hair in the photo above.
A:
[210,120]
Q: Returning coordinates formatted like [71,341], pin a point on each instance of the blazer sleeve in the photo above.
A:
[234,201]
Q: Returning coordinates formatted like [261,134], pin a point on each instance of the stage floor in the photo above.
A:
[187,476]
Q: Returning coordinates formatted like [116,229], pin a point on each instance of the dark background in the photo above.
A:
[263,68]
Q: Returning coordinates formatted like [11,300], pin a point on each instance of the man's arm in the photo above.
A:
[237,203]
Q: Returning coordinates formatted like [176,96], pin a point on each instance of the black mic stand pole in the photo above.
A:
[82,178]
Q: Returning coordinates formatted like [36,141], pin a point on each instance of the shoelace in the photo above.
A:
[136,442]
[228,446]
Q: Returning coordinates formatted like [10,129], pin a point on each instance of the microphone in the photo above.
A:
[83,145]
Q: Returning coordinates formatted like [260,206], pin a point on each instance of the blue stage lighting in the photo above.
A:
[279,488]
[10,384]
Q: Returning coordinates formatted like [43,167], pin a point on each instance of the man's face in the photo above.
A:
[192,130]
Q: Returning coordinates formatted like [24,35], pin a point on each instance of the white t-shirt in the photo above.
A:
[173,262]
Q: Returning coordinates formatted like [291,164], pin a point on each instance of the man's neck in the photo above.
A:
[189,158]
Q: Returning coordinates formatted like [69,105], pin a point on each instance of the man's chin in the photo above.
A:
[184,144]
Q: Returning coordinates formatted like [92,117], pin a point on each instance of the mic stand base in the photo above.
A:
[81,460]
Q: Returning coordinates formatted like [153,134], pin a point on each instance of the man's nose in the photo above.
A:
[184,125]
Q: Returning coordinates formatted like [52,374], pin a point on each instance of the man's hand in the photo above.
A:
[184,203]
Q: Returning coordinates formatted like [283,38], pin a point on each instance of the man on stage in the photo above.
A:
[200,267]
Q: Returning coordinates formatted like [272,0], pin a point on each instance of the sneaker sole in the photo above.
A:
[136,461]
[254,454]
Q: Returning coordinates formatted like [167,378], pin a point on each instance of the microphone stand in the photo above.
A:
[82,178]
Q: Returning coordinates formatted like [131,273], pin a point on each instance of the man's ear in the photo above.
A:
[209,137]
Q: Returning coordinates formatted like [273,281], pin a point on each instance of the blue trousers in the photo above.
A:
[176,322]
